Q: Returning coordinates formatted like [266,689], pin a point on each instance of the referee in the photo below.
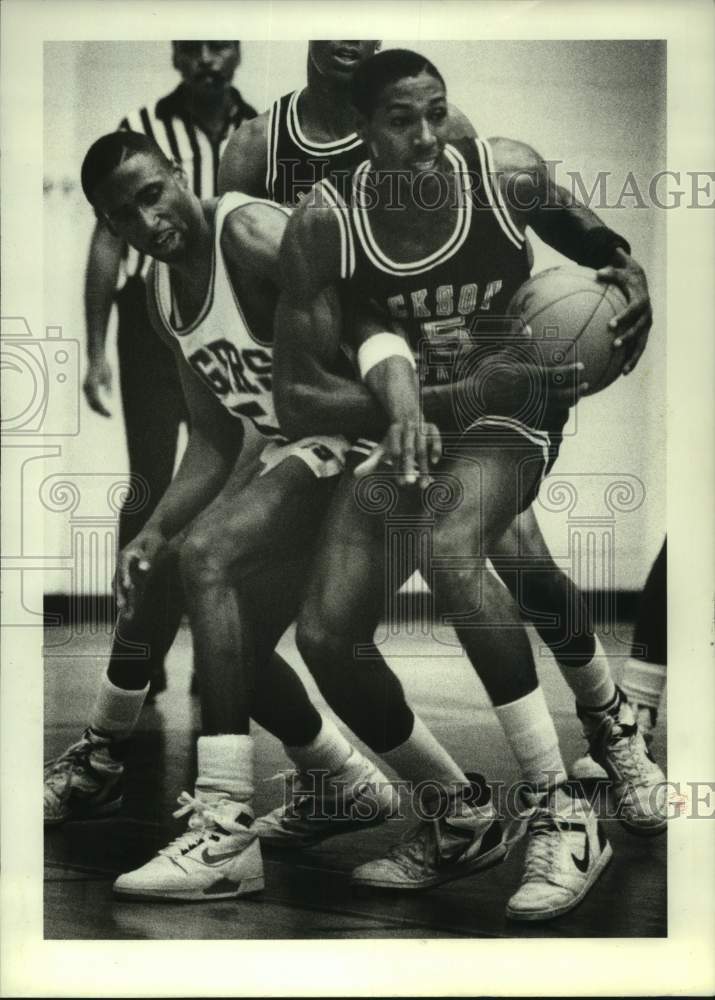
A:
[192,125]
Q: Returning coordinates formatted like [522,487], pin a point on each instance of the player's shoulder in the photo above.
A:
[252,232]
[512,154]
[314,238]
[316,213]
[243,161]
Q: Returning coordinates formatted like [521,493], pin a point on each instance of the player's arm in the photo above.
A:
[243,164]
[559,219]
[105,254]
[387,367]
[309,394]
[215,442]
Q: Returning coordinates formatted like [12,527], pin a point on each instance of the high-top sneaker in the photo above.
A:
[219,856]
[84,782]
[639,788]
[566,852]
[586,769]
[468,839]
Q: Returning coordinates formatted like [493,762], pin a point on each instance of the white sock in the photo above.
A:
[592,684]
[530,730]
[421,758]
[225,767]
[327,752]
[643,682]
[116,710]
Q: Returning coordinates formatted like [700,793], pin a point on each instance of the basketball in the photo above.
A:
[568,311]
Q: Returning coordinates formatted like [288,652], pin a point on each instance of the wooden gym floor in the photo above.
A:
[307,894]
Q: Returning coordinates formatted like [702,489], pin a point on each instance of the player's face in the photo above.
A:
[339,60]
[150,206]
[407,130]
[207,68]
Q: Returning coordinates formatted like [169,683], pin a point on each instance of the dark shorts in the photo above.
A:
[498,432]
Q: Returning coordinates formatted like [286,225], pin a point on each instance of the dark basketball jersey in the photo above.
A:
[443,300]
[295,163]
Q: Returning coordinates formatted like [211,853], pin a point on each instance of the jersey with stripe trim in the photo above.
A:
[295,163]
[173,130]
[443,300]
[219,345]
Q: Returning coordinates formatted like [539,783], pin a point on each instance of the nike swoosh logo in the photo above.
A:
[216,859]
[582,863]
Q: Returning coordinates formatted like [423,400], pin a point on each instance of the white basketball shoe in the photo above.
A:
[219,856]
[638,784]
[566,852]
[467,840]
[586,769]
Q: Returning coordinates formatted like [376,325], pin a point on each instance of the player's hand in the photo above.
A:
[631,326]
[410,448]
[134,565]
[97,380]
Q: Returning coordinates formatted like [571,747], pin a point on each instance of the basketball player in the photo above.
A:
[433,271]
[193,125]
[310,134]
[211,297]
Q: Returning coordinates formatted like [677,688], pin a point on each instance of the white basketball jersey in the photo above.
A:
[220,347]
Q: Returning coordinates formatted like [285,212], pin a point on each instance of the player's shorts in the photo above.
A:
[500,431]
[324,455]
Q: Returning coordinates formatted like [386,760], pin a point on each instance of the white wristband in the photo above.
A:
[379,347]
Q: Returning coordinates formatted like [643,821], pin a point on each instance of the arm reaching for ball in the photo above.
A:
[535,200]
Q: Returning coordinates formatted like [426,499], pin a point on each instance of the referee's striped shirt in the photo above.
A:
[168,124]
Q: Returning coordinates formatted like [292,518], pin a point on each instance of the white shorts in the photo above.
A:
[325,456]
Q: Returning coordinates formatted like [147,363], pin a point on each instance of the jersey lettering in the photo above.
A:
[223,366]
[424,304]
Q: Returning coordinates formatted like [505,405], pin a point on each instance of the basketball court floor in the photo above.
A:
[308,894]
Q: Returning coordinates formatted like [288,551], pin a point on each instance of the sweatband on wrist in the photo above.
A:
[379,347]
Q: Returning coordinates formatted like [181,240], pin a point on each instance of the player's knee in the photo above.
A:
[202,561]
[322,649]
[315,643]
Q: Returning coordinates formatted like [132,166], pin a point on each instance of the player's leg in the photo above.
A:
[550,600]
[153,406]
[546,596]
[230,570]
[645,671]
[345,601]
[491,481]
[85,781]
[256,520]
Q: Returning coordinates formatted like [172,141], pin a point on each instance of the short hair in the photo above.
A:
[109,151]
[379,71]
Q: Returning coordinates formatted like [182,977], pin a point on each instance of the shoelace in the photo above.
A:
[201,819]
[73,758]
[544,828]
[303,792]
[70,756]
[621,741]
